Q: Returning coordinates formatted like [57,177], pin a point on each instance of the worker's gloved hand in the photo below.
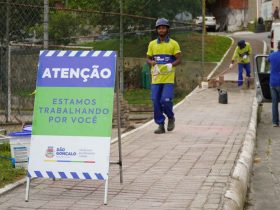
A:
[156,70]
[169,67]
[245,56]
[230,66]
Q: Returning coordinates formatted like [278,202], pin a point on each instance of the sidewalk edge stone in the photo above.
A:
[236,194]
[12,186]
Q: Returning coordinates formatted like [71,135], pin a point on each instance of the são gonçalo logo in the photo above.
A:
[50,152]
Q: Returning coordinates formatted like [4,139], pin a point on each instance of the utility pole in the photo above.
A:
[244,13]
[46,24]
[120,89]
[257,1]
[121,48]
[203,4]
[8,64]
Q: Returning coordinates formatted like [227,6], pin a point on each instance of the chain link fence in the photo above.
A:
[18,57]
[91,26]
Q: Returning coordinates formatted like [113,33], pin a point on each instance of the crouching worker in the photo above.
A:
[242,55]
[163,55]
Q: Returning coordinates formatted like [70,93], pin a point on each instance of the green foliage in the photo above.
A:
[216,46]
[8,174]
[150,8]
[38,29]
[211,1]
[62,26]
[25,21]
[252,26]
[162,8]
[20,20]
[138,96]
[101,19]
[2,23]
[190,43]
[143,96]
[5,148]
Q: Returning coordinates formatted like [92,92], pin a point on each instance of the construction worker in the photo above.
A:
[242,55]
[163,55]
[274,82]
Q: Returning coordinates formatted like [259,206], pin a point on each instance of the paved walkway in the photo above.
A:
[265,180]
[188,168]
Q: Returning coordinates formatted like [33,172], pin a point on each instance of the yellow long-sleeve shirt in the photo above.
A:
[239,54]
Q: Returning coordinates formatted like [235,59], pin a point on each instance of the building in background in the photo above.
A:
[232,15]
[267,8]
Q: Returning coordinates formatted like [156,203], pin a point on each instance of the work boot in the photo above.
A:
[171,124]
[160,129]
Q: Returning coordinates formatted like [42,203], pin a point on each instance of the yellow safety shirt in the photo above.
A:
[239,54]
[163,52]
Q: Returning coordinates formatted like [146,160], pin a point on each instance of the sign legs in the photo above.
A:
[27,188]
[106,192]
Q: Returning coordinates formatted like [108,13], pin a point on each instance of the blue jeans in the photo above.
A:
[242,66]
[162,97]
[275,95]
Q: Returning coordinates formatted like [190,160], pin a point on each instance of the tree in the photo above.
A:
[20,19]
[145,8]
[102,19]
[61,27]
[162,8]
[211,1]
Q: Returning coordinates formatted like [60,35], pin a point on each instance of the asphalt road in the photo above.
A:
[264,190]
[255,36]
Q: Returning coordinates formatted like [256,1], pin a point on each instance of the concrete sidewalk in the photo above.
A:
[188,168]
[185,169]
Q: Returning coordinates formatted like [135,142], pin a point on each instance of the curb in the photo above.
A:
[243,33]
[235,196]
[12,186]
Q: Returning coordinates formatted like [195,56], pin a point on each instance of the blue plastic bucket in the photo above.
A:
[20,134]
[20,147]
[27,128]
